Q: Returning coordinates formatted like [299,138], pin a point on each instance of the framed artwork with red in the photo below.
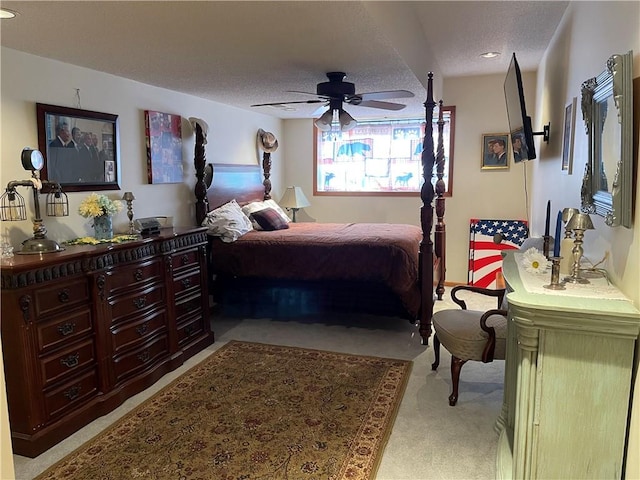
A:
[164,147]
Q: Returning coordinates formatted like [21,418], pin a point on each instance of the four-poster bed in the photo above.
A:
[383,269]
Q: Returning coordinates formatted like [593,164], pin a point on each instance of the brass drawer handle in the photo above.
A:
[144,356]
[63,296]
[71,361]
[73,392]
[185,259]
[66,329]
[188,330]
[186,283]
[142,329]
[140,302]
[138,275]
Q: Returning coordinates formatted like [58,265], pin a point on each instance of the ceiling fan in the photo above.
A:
[335,92]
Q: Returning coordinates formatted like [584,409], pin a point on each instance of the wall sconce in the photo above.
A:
[129,198]
[12,205]
[293,199]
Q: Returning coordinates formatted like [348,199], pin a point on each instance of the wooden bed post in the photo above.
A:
[440,231]
[200,190]
[266,171]
[426,219]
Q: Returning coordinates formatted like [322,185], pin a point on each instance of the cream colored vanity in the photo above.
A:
[568,378]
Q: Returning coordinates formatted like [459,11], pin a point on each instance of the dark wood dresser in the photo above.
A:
[86,328]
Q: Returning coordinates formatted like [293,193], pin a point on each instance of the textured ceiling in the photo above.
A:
[242,53]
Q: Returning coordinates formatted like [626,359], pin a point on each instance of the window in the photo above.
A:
[379,157]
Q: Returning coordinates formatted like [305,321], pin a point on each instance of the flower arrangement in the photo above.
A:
[534,261]
[98,205]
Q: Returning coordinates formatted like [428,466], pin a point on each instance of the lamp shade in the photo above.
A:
[580,221]
[347,122]
[567,213]
[324,122]
[294,198]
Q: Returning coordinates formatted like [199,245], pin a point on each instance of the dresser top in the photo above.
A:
[21,262]
[597,304]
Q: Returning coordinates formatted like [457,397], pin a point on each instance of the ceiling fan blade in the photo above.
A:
[286,103]
[319,110]
[382,105]
[386,95]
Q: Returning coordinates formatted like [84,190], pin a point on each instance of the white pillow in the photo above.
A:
[257,206]
[227,222]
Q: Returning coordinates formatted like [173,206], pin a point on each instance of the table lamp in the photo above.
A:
[293,199]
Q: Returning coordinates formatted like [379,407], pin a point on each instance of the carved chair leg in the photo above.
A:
[436,353]
[456,366]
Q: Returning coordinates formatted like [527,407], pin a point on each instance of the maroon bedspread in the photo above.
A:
[385,253]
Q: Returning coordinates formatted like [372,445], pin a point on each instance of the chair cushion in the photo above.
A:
[460,333]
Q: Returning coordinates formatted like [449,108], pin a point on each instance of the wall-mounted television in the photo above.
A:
[520,129]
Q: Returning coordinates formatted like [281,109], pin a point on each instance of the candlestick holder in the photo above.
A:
[579,222]
[129,198]
[546,240]
[555,284]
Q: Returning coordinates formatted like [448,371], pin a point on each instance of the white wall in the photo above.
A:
[588,35]
[488,194]
[27,80]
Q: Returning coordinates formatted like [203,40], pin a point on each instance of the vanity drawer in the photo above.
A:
[126,335]
[66,362]
[137,302]
[131,363]
[61,296]
[71,394]
[128,277]
[63,329]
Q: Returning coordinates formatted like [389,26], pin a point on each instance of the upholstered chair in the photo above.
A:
[470,334]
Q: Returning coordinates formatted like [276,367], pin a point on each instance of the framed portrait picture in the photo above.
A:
[80,148]
[495,151]
[164,147]
[568,135]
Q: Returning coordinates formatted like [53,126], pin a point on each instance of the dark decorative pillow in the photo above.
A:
[269,219]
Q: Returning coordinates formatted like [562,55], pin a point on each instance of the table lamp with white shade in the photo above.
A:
[294,199]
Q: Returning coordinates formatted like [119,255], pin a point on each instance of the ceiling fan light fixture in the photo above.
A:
[324,122]
[347,122]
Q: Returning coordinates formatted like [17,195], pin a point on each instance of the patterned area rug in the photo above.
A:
[254,411]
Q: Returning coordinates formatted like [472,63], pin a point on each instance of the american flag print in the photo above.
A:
[487,240]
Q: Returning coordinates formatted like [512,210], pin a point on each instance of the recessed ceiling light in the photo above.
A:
[490,54]
[4,13]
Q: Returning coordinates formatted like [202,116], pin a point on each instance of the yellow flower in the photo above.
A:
[97,205]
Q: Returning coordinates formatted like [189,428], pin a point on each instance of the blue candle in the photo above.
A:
[548,219]
[556,239]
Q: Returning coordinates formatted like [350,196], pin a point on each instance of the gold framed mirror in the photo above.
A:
[607,110]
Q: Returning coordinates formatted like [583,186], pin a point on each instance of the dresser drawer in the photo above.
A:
[131,276]
[137,302]
[186,259]
[71,394]
[186,306]
[190,329]
[61,296]
[188,281]
[64,329]
[126,335]
[132,362]
[66,362]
